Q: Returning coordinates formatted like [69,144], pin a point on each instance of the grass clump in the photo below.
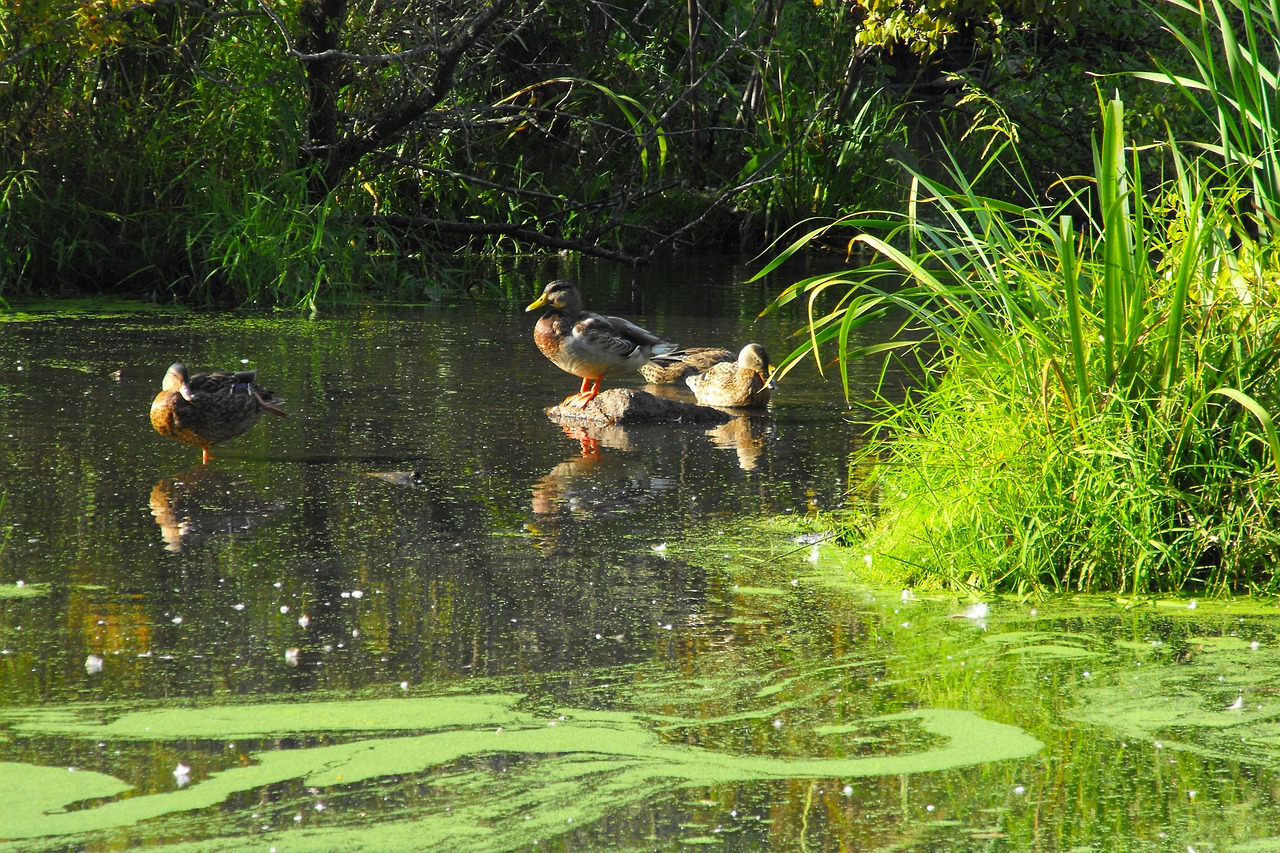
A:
[1097,414]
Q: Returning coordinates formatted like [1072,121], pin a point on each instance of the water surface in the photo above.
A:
[417,615]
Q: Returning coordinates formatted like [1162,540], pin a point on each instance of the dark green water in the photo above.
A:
[415,616]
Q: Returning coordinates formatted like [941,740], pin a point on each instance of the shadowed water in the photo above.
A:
[418,615]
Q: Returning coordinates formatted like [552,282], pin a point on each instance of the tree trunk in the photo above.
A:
[320,43]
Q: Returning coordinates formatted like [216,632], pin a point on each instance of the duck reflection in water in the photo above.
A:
[202,502]
[594,481]
[746,435]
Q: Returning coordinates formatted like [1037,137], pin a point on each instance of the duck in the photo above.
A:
[741,384]
[673,367]
[207,408]
[591,346]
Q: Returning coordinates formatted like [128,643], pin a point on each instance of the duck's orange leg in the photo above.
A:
[590,388]
[207,457]
[586,395]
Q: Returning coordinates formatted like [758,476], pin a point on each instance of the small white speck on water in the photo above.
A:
[291,657]
[1255,645]
[847,790]
[1019,790]
[177,620]
[93,664]
[404,685]
[284,608]
[304,620]
[1236,705]
[1191,605]
[930,807]
[238,607]
[777,724]
[908,595]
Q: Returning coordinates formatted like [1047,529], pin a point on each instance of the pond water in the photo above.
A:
[416,615]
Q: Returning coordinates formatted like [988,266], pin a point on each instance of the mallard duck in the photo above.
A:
[740,384]
[210,407]
[674,366]
[590,345]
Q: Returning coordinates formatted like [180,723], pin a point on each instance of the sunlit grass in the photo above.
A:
[1098,415]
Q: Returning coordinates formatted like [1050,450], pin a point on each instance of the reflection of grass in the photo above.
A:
[5,530]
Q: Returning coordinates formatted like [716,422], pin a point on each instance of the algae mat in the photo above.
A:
[569,767]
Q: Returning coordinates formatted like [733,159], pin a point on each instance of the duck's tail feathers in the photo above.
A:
[269,405]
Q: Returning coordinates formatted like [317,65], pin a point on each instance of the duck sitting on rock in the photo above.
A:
[590,345]
[675,367]
[740,384]
[209,408]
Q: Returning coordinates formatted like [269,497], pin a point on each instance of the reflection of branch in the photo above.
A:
[518,232]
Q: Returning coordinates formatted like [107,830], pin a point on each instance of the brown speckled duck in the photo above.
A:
[742,384]
[208,408]
[589,345]
[675,366]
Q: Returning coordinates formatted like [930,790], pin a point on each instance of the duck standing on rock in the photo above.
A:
[208,408]
[742,384]
[590,345]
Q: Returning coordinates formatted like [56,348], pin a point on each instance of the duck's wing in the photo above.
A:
[220,381]
[617,336]
[700,359]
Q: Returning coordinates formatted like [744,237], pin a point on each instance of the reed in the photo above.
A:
[1093,418]
[1232,81]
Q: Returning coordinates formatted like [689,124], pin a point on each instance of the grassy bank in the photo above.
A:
[1098,415]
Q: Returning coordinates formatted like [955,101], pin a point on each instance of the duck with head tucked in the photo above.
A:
[676,366]
[209,408]
[741,384]
[591,346]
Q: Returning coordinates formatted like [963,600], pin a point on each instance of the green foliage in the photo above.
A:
[158,149]
[1096,418]
[821,163]
[926,27]
[1234,54]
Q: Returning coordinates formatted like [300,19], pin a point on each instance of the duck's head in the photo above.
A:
[561,295]
[755,357]
[176,378]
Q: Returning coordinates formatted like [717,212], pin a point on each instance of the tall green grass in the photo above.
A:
[1097,416]
[1234,59]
